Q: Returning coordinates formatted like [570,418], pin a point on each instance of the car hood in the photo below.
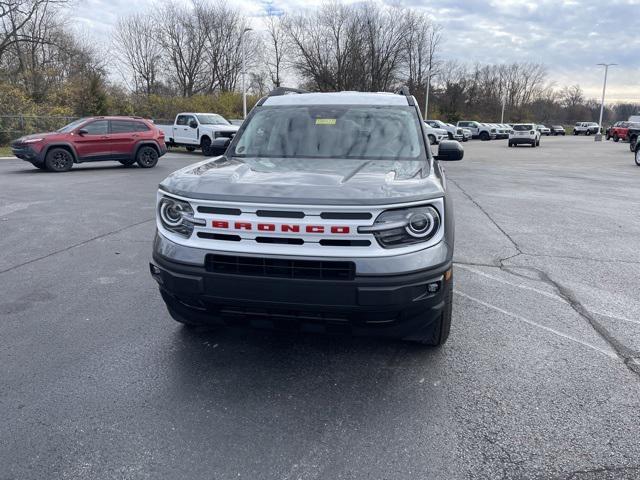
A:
[36,135]
[306,181]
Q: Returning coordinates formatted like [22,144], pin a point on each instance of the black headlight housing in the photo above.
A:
[177,216]
[406,226]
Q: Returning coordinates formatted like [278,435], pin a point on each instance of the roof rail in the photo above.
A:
[283,91]
[404,90]
[276,92]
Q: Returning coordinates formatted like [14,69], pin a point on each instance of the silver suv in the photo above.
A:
[327,212]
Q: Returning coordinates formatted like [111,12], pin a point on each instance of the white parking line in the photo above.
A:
[518,285]
[608,353]
[550,295]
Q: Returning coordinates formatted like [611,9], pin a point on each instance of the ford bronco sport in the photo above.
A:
[327,212]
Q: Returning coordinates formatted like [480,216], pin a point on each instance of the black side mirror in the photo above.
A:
[193,124]
[217,147]
[450,150]
[83,131]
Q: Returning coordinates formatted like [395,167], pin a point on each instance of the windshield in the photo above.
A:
[522,128]
[72,126]
[212,119]
[346,131]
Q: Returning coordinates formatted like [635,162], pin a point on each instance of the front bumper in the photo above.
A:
[391,305]
[25,152]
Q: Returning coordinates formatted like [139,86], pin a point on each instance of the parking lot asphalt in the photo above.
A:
[540,377]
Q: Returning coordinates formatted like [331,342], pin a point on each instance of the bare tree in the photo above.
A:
[135,41]
[15,15]
[183,36]
[276,51]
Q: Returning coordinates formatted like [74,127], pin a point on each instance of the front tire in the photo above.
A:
[432,140]
[637,157]
[58,160]
[484,136]
[616,138]
[632,143]
[205,143]
[147,157]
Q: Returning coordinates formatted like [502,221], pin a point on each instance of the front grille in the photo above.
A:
[282,268]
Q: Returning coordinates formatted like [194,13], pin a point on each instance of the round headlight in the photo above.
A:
[421,223]
[171,213]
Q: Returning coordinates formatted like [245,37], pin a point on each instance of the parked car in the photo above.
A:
[620,131]
[501,131]
[633,134]
[557,130]
[637,153]
[508,128]
[435,135]
[478,130]
[197,130]
[127,140]
[453,132]
[466,133]
[315,236]
[543,130]
[526,133]
[586,128]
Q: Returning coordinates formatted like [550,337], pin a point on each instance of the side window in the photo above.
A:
[182,120]
[127,126]
[99,127]
[121,126]
[189,120]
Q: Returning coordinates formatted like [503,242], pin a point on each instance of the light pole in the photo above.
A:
[598,137]
[504,101]
[244,72]
[426,100]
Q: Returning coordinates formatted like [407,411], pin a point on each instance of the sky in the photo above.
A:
[569,37]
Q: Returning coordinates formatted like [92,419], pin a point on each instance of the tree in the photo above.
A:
[275,51]
[141,53]
[183,36]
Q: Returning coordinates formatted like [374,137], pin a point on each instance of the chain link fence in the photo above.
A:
[15,126]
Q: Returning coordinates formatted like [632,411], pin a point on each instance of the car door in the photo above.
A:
[124,136]
[92,141]
[184,132]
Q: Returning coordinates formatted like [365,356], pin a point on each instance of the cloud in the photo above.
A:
[569,37]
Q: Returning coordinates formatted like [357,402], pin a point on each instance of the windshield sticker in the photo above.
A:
[325,121]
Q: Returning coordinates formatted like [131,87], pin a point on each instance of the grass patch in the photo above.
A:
[5,152]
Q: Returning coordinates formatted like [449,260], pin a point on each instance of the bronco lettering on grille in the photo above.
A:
[283,228]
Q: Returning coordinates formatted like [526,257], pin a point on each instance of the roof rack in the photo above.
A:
[284,90]
[404,90]
[276,92]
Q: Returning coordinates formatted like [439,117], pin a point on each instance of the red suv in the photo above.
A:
[620,131]
[127,140]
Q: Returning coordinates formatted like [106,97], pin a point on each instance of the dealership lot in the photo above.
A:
[540,377]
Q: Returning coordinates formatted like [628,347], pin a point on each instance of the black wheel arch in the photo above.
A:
[67,146]
[146,143]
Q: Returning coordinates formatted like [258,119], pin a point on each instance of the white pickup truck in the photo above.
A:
[197,130]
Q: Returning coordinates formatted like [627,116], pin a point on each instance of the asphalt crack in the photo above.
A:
[75,245]
[630,358]
[605,469]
